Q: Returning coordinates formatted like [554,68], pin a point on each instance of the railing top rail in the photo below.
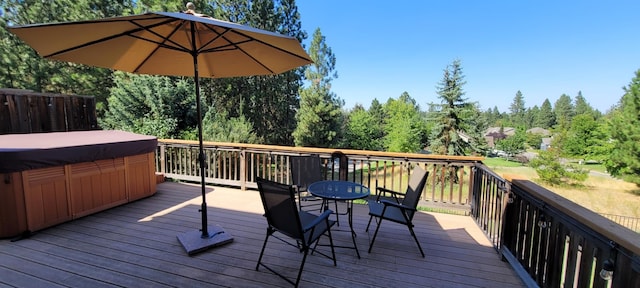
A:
[617,233]
[363,153]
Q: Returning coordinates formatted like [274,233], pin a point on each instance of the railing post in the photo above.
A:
[243,169]
[163,159]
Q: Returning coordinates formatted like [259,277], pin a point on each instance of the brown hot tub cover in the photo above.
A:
[19,152]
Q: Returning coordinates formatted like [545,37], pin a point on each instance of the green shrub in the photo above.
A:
[550,170]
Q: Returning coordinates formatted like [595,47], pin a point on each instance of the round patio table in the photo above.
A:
[346,191]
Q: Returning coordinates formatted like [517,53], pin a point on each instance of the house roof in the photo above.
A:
[540,131]
[492,131]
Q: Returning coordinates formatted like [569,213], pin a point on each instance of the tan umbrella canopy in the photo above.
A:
[173,44]
[164,43]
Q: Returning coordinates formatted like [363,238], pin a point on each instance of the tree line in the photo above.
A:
[298,107]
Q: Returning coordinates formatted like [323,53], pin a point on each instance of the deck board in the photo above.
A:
[135,245]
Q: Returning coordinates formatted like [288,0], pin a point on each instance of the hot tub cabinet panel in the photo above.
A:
[40,197]
[140,181]
[46,197]
[13,218]
[97,186]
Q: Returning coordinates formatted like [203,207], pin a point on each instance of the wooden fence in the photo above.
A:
[24,111]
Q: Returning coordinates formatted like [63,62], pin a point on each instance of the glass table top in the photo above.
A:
[339,190]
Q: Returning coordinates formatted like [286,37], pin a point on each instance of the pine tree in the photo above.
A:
[320,117]
[623,161]
[452,116]
[517,109]
[563,111]
[545,118]
[583,107]
[152,105]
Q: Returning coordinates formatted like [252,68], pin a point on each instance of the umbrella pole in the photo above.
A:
[203,208]
[208,236]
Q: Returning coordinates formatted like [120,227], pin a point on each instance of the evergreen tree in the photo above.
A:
[517,109]
[153,105]
[545,118]
[601,144]
[580,136]
[530,116]
[623,161]
[583,107]
[552,171]
[376,110]
[477,124]
[492,116]
[222,128]
[563,111]
[320,117]
[452,116]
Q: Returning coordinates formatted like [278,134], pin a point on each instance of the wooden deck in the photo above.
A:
[135,245]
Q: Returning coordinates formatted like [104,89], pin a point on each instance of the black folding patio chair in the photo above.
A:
[285,219]
[342,161]
[304,171]
[398,207]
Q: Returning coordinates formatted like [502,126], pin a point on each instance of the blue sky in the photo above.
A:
[542,48]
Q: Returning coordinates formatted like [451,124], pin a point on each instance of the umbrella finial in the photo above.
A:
[191,7]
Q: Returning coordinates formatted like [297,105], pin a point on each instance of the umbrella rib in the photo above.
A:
[272,46]
[228,47]
[235,44]
[126,33]
[177,46]
[160,44]
[220,35]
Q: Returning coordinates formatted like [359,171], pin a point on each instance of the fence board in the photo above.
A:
[23,111]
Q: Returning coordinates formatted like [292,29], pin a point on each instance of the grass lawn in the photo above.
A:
[601,193]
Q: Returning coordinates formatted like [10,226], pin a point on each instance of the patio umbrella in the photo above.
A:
[173,44]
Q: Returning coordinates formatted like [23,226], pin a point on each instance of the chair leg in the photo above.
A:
[367,230]
[304,258]
[262,251]
[333,251]
[415,238]
[375,234]
[335,202]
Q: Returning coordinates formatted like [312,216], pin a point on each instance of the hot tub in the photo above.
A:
[50,178]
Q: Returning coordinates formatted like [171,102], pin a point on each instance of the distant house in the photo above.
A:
[539,131]
[493,134]
[545,144]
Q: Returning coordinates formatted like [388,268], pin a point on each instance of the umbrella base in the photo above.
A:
[194,242]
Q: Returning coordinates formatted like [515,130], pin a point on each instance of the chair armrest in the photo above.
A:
[394,204]
[324,216]
[394,194]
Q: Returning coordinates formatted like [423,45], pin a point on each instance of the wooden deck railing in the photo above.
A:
[549,241]
[632,223]
[238,165]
